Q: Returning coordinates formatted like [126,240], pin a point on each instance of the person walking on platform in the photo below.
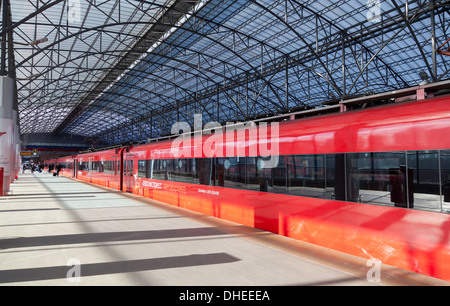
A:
[58,169]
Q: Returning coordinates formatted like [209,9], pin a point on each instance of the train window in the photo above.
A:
[173,170]
[330,174]
[279,174]
[131,168]
[231,172]
[445,179]
[424,165]
[83,166]
[259,174]
[404,179]
[142,168]
[306,175]
[101,166]
[159,170]
[251,173]
[203,173]
[169,169]
[93,166]
[379,178]
[148,168]
[107,166]
[185,173]
[175,175]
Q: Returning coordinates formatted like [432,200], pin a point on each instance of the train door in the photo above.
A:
[115,173]
[128,173]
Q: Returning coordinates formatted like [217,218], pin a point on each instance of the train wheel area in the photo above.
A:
[59,231]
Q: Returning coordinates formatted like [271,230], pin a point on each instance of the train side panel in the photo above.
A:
[409,239]
[101,168]
[414,240]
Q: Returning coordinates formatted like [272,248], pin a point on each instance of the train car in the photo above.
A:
[67,165]
[373,183]
[101,168]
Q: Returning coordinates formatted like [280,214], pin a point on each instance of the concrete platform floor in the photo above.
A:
[53,229]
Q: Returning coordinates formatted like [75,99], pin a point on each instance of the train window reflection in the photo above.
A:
[231,172]
[378,178]
[142,168]
[259,174]
[330,176]
[413,179]
[203,171]
[306,175]
[159,170]
[445,180]
[425,181]
[279,175]
[183,171]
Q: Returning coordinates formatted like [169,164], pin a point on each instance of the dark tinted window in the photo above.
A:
[231,172]
[259,174]
[182,171]
[379,178]
[306,175]
[404,179]
[425,182]
[445,179]
[203,173]
[142,168]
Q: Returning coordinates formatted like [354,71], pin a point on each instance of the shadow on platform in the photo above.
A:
[94,269]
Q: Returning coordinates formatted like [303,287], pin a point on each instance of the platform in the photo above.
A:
[48,224]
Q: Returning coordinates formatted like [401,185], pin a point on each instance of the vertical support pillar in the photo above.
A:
[344,87]
[433,41]
[287,85]
[4,7]
[7,145]
[1,181]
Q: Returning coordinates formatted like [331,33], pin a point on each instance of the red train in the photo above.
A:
[374,183]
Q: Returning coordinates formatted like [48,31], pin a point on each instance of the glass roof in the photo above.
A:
[227,59]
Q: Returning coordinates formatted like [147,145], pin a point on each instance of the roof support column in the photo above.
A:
[4,6]
[344,88]
[433,40]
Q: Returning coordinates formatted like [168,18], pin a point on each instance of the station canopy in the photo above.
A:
[127,70]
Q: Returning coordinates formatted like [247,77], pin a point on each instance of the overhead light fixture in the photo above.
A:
[424,76]
[33,43]
[38,41]
[32,76]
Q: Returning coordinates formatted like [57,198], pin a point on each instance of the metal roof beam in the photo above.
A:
[164,24]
